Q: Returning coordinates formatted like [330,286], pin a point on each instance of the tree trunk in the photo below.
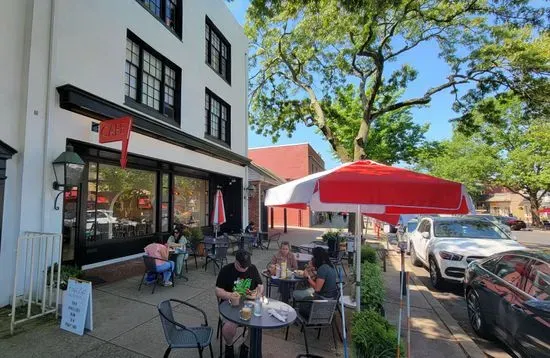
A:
[359,152]
[535,206]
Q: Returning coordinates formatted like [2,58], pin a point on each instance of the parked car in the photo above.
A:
[407,231]
[508,297]
[495,220]
[447,244]
[513,222]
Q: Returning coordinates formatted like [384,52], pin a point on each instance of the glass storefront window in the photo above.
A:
[190,201]
[165,209]
[121,203]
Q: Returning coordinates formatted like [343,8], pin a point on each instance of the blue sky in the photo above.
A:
[431,72]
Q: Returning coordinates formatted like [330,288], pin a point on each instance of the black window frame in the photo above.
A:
[208,112]
[208,50]
[162,16]
[137,102]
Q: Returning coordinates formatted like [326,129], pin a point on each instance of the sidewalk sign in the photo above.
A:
[77,307]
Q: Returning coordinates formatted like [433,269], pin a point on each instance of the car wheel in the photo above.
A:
[414,259]
[435,274]
[475,315]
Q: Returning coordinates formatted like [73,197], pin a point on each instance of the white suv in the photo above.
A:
[446,245]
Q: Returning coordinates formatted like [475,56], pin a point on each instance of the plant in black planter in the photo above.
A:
[66,273]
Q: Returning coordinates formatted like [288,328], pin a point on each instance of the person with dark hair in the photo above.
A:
[250,228]
[324,284]
[229,275]
[178,242]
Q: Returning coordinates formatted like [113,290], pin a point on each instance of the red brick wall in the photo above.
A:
[288,162]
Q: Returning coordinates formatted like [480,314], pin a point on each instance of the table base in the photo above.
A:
[255,343]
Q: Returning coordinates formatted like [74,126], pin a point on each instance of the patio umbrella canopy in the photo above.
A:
[376,190]
[218,215]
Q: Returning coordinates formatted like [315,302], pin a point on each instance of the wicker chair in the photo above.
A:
[319,314]
[179,336]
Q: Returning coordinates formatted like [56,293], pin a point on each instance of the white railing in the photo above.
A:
[38,259]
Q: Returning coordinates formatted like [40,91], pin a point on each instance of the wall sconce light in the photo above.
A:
[67,168]
[249,191]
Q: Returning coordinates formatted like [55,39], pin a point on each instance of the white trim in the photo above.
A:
[112,261]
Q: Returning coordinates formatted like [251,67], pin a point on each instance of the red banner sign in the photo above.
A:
[114,130]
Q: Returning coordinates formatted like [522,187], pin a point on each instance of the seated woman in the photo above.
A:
[178,242]
[324,285]
[284,255]
[160,251]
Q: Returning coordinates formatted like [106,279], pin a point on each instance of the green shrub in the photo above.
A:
[368,254]
[193,234]
[66,273]
[330,235]
[373,336]
[372,286]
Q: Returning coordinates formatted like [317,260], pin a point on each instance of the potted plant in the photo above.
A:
[195,237]
[240,290]
[66,273]
[343,242]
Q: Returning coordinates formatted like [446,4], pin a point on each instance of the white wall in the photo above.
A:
[88,51]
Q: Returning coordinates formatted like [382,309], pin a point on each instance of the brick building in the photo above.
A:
[292,161]
[260,179]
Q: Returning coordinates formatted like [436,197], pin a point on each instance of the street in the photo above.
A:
[452,296]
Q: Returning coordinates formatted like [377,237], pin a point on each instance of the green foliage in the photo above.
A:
[66,273]
[372,286]
[373,336]
[307,53]
[368,254]
[242,286]
[331,235]
[193,234]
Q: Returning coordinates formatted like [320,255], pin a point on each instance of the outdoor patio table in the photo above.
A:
[310,247]
[258,323]
[303,259]
[285,284]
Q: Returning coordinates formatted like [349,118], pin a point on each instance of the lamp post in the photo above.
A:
[67,168]
[249,191]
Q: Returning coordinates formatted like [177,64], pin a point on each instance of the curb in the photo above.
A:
[469,347]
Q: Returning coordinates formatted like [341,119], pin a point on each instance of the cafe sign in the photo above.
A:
[115,130]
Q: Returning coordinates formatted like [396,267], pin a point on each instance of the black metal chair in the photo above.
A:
[179,336]
[151,268]
[218,257]
[337,261]
[317,314]
[269,281]
[274,237]
[308,356]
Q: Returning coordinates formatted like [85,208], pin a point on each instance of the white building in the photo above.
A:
[178,67]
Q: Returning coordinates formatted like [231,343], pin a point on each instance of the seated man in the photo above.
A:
[157,249]
[241,269]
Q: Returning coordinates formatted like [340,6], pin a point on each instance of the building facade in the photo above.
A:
[260,179]
[289,162]
[177,67]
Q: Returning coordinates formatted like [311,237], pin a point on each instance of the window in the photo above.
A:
[151,81]
[217,51]
[190,201]
[166,11]
[512,269]
[217,115]
[538,282]
[165,208]
[471,229]
[120,203]
[424,226]
[490,265]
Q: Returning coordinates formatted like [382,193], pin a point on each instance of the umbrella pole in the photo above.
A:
[401,291]
[358,259]
[344,334]
[408,318]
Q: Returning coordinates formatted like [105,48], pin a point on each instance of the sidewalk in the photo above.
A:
[126,322]
[434,333]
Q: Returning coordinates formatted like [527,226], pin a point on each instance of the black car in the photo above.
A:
[508,297]
[513,222]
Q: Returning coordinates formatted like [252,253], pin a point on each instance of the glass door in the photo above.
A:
[70,223]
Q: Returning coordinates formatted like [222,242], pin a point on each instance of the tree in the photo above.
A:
[503,144]
[306,51]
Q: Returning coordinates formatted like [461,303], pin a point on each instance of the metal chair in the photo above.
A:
[179,336]
[218,257]
[318,314]
[151,268]
[274,237]
[308,356]
[337,261]
[269,281]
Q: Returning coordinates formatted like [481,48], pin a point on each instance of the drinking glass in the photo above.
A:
[283,311]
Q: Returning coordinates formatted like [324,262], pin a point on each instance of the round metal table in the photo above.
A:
[257,324]
[285,284]
[310,247]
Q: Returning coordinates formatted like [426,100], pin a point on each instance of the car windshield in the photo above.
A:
[411,226]
[472,229]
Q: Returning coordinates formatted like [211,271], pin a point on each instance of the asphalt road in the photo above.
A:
[451,297]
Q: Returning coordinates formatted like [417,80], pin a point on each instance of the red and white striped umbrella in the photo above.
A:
[218,215]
